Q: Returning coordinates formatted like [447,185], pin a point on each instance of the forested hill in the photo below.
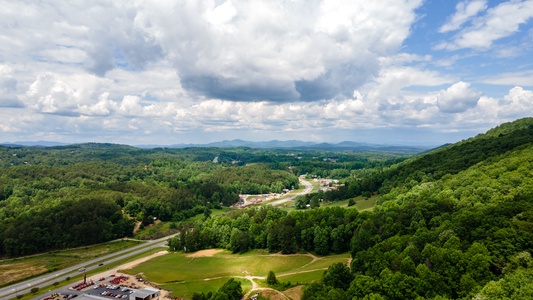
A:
[450,159]
[67,197]
[72,195]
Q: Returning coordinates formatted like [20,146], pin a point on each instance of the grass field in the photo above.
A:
[301,278]
[361,203]
[184,275]
[13,270]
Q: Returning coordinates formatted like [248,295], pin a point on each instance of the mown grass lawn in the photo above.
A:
[186,289]
[302,278]
[176,267]
[183,274]
[324,262]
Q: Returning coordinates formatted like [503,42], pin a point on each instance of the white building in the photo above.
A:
[143,294]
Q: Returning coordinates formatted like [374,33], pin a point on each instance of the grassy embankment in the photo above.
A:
[18,269]
[183,274]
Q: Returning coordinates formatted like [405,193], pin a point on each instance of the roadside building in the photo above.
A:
[111,293]
[145,294]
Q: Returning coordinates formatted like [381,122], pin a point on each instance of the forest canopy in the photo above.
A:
[67,196]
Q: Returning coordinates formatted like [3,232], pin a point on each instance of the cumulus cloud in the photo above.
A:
[63,33]
[144,71]
[8,88]
[498,22]
[53,93]
[457,98]
[518,103]
[463,12]
[256,50]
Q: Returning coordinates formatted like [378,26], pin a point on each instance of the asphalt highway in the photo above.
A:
[10,292]
[307,190]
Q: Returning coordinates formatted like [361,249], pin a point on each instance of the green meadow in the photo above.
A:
[184,275]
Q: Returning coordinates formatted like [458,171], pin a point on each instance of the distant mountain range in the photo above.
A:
[293,144]
[34,144]
[274,144]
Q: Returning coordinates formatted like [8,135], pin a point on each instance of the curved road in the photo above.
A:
[307,190]
[10,292]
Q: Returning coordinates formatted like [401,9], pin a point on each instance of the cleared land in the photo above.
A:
[184,274]
[361,203]
[13,270]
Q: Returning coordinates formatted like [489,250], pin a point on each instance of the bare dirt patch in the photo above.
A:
[205,253]
[295,293]
[273,295]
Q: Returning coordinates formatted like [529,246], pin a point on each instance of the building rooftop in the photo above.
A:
[145,293]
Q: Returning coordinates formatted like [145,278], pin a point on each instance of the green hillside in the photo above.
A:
[450,159]
[456,223]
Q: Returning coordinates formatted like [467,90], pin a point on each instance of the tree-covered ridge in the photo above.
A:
[456,234]
[321,163]
[108,196]
[143,184]
[450,159]
[509,127]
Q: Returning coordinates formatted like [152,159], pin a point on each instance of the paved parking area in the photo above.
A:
[112,287]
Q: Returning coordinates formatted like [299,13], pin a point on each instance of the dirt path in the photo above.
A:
[255,288]
[137,226]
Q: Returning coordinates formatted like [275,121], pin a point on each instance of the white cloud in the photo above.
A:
[8,88]
[463,12]
[154,72]
[104,107]
[457,98]
[63,94]
[518,103]
[523,78]
[500,21]
[277,51]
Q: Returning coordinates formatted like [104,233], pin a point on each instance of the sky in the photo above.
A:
[408,72]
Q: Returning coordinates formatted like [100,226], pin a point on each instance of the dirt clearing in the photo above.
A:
[205,253]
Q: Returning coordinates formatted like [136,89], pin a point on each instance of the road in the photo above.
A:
[10,292]
[307,190]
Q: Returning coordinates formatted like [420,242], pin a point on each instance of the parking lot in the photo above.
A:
[112,287]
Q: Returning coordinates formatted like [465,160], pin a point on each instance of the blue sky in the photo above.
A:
[189,71]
